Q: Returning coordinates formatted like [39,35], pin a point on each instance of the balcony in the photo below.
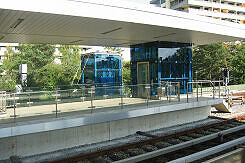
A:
[216,14]
[237,1]
[207,4]
[216,5]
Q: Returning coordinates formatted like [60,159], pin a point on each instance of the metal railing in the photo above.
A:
[88,99]
[204,88]
[3,102]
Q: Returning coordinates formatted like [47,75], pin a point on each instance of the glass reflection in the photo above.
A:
[167,62]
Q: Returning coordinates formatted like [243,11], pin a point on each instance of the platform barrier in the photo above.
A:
[83,99]
[3,103]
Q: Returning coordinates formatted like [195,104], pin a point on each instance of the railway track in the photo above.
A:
[190,145]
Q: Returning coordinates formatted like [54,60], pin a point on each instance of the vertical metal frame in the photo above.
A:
[148,69]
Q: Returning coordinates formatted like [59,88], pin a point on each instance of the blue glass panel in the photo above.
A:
[102,70]
[167,61]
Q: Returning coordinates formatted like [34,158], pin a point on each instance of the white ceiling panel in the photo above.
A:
[73,25]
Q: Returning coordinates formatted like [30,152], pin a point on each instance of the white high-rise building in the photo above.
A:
[231,10]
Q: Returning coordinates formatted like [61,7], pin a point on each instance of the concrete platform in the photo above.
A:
[41,112]
[34,137]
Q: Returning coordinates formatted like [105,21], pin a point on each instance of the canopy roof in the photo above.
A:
[107,23]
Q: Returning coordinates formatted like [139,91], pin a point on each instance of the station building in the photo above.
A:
[160,41]
[155,63]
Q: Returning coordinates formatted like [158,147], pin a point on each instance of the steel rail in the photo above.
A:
[210,151]
[176,147]
[135,144]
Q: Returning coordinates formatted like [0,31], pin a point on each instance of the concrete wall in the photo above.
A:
[41,142]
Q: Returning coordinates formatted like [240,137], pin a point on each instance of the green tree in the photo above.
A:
[126,72]
[6,83]
[42,70]
[238,66]
[114,50]
[208,61]
[9,69]
[36,56]
[50,76]
[71,62]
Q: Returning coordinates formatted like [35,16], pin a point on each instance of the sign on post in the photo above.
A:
[23,72]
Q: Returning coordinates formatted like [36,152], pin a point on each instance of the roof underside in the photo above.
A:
[87,23]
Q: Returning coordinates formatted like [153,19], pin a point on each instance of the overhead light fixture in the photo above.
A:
[111,31]
[76,41]
[165,35]
[2,37]
[126,43]
[16,23]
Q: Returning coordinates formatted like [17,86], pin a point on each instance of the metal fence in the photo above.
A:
[87,99]
[3,102]
[205,88]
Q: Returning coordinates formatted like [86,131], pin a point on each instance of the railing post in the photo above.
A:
[29,95]
[92,106]
[56,106]
[213,89]
[192,85]
[167,90]
[3,102]
[201,88]
[169,93]
[219,89]
[187,98]
[121,97]
[179,92]
[29,99]
[92,91]
[15,106]
[56,102]
[197,91]
[148,87]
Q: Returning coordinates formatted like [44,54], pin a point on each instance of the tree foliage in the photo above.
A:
[50,75]
[126,72]
[114,50]
[210,60]
[71,62]
[238,66]
[36,56]
[43,71]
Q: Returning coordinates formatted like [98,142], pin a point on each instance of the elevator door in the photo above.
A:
[142,78]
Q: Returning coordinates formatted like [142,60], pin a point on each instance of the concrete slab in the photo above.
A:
[119,128]
[223,107]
